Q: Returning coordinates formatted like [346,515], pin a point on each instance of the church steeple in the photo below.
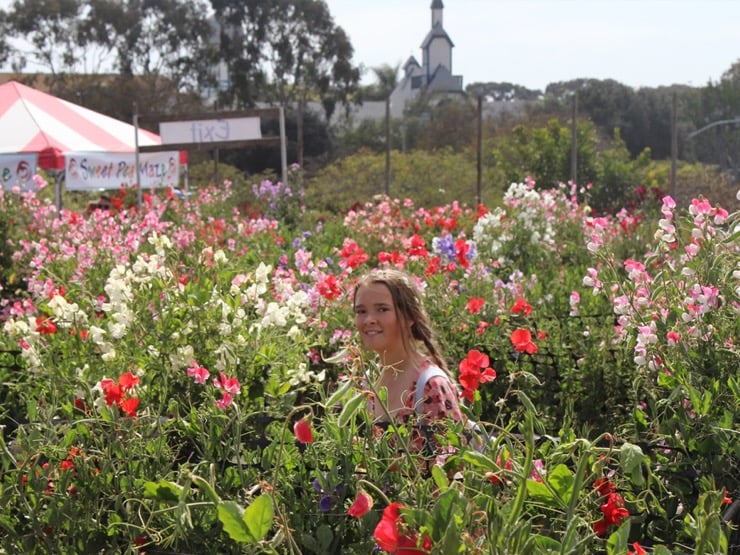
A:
[437,8]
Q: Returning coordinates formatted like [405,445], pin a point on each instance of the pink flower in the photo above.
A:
[230,385]
[198,373]
[225,401]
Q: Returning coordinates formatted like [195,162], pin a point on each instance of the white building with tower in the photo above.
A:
[434,75]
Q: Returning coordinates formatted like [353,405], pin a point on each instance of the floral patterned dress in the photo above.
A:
[438,403]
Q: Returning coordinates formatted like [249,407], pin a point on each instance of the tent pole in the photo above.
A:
[58,191]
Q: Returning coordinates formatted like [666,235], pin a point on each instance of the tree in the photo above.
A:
[502,92]
[295,42]
[710,110]
[386,80]
[91,50]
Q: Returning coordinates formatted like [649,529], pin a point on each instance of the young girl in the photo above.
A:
[392,322]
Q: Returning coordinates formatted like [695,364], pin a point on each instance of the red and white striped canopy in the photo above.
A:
[35,122]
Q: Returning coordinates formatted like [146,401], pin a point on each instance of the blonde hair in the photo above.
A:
[406,296]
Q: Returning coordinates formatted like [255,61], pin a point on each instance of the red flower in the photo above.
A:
[128,381]
[605,487]
[474,370]
[726,500]
[418,247]
[115,393]
[521,307]
[462,248]
[129,406]
[601,528]
[302,431]
[352,254]
[361,505]
[45,325]
[432,266]
[112,391]
[638,550]
[614,513]
[389,538]
[386,532]
[329,288]
[613,509]
[495,477]
[522,341]
[475,304]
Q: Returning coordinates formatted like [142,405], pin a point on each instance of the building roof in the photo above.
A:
[443,81]
[437,32]
[411,62]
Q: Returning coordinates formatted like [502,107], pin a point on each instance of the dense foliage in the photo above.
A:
[181,377]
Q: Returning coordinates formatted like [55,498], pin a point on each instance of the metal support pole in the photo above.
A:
[136,156]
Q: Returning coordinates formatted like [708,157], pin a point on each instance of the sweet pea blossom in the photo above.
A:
[199,374]
[361,505]
[302,431]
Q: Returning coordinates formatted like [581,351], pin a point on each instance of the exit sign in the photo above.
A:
[206,131]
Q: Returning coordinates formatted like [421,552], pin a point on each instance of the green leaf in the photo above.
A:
[561,479]
[258,516]
[631,458]
[540,492]
[479,460]
[350,409]
[546,544]
[339,394]
[162,491]
[231,515]
[440,478]
[325,536]
[617,542]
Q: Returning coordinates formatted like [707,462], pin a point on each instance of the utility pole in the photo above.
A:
[574,142]
[388,145]
[674,144]
[479,182]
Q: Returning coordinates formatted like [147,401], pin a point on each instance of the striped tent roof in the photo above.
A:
[35,122]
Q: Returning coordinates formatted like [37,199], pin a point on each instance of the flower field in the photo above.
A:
[178,377]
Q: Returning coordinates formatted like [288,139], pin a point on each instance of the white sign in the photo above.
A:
[112,170]
[206,131]
[17,170]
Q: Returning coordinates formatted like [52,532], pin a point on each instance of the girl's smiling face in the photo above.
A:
[378,323]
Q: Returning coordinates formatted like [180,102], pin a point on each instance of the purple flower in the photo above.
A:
[326,503]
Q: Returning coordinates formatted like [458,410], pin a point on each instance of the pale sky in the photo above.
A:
[640,43]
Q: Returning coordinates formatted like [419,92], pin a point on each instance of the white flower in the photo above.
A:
[219,257]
